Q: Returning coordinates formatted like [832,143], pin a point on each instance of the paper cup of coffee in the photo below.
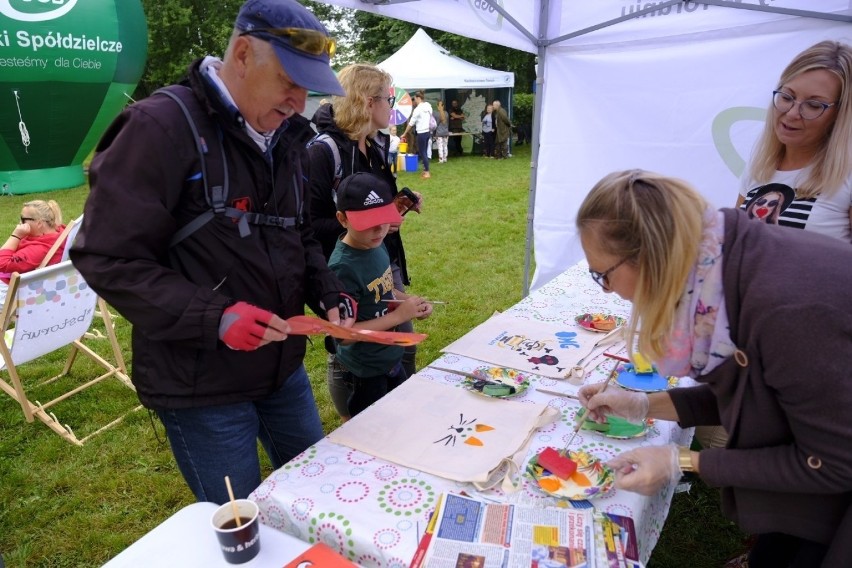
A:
[238,543]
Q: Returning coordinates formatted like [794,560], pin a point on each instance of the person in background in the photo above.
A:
[714,298]
[456,127]
[393,149]
[442,132]
[30,241]
[421,116]
[503,127]
[488,134]
[366,208]
[212,354]
[804,155]
[353,122]
[807,142]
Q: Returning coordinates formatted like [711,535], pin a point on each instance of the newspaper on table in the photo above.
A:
[467,533]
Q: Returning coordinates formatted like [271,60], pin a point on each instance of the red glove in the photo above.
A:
[243,325]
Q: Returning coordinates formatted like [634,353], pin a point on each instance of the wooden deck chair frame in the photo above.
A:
[51,308]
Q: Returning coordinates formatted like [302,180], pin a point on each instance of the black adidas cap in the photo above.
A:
[367,201]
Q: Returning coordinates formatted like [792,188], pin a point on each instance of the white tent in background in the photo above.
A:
[423,64]
[674,86]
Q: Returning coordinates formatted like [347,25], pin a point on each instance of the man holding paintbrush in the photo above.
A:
[208,289]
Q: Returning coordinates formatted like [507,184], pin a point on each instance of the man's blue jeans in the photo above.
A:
[214,441]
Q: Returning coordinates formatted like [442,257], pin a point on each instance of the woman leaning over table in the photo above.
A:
[714,298]
[30,241]
[807,143]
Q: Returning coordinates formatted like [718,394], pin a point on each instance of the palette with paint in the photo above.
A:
[599,322]
[616,427]
[629,379]
[592,478]
[497,382]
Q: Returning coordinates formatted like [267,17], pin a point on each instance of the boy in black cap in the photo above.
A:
[366,209]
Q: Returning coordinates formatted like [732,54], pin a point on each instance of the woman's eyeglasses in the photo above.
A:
[602,278]
[391,100]
[25,219]
[309,41]
[809,109]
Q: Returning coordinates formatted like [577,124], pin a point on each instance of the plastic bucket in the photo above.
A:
[403,147]
[411,162]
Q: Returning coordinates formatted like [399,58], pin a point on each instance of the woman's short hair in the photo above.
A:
[833,163]
[47,211]
[656,222]
[361,81]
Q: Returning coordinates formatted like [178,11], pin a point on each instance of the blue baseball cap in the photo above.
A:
[300,41]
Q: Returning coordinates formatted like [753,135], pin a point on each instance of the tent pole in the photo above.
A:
[534,140]
[779,10]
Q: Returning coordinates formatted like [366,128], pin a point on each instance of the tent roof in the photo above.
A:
[423,64]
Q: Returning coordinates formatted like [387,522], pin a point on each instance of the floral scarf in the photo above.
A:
[700,338]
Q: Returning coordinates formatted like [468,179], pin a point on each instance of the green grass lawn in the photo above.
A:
[66,506]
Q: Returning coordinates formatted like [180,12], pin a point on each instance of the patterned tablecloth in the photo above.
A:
[374,512]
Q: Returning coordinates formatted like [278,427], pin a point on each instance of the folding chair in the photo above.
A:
[51,308]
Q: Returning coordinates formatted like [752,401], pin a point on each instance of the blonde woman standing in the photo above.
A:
[354,123]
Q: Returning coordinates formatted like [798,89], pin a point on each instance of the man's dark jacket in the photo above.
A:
[146,184]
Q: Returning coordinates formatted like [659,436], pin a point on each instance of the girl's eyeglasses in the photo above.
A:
[602,278]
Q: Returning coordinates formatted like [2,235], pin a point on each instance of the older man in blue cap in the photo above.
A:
[196,231]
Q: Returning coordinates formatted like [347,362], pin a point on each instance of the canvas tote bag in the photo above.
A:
[448,431]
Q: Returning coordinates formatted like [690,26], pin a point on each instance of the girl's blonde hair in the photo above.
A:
[47,211]
[361,81]
[832,164]
[656,222]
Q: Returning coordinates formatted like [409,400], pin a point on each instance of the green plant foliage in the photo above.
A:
[522,108]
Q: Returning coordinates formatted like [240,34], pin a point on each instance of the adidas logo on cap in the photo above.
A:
[373,198]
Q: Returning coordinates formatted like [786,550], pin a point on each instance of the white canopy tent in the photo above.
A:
[422,63]
[675,86]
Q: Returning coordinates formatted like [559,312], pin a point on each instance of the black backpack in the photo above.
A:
[216,194]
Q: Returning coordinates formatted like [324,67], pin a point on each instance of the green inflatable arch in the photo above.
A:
[67,68]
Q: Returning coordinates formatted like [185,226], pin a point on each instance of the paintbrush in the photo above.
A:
[424,299]
[582,421]
[558,393]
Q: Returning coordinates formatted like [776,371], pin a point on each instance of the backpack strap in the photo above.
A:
[324,138]
[217,195]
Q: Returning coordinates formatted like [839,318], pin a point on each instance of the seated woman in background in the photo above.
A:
[30,241]
[760,317]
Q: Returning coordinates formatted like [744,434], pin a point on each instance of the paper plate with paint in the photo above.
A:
[629,379]
[599,322]
[497,382]
[591,479]
[616,427]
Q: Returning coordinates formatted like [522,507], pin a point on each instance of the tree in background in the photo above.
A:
[180,31]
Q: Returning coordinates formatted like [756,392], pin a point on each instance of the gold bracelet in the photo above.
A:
[684,459]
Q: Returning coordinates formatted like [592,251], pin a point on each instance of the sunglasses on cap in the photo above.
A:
[313,42]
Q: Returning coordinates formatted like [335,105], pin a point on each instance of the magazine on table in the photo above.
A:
[467,533]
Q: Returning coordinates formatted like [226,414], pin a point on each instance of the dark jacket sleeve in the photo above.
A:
[695,406]
[124,239]
[809,374]
[321,208]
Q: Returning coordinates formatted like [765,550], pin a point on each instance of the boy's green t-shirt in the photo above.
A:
[366,276]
